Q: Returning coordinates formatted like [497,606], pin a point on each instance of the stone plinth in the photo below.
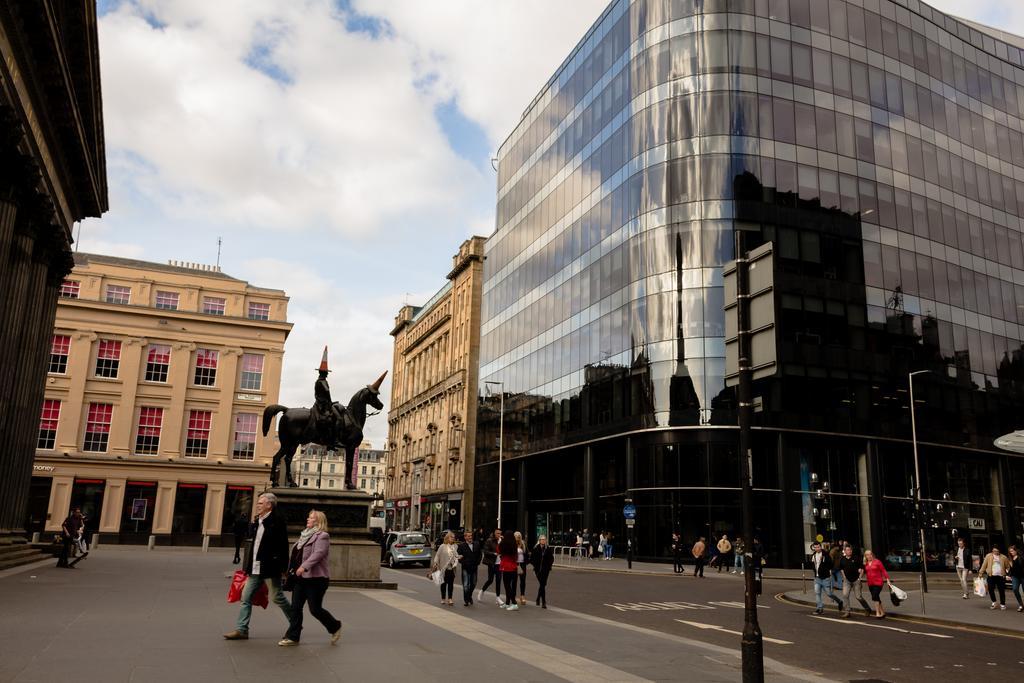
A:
[355,557]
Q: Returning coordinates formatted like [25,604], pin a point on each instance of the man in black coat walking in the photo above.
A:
[470,551]
[267,563]
[542,558]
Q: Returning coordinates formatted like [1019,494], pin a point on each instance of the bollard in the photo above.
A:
[152,541]
[35,537]
[206,543]
[95,542]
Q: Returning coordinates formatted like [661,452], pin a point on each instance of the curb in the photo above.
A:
[921,619]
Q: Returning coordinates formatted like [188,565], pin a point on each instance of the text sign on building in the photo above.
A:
[976,523]
[761,291]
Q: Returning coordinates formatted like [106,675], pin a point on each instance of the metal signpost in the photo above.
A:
[629,512]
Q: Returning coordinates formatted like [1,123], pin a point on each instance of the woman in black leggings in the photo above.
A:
[509,553]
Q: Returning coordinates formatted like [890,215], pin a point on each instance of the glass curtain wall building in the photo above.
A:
[878,144]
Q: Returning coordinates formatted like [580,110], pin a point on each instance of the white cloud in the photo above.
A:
[493,57]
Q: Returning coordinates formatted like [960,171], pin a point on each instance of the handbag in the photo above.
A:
[437,577]
[237,584]
[980,587]
[290,577]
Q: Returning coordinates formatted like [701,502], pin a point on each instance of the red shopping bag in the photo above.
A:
[262,595]
[237,584]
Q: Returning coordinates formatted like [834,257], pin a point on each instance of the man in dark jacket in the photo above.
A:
[490,560]
[469,551]
[268,562]
[241,530]
[69,531]
[542,558]
[677,554]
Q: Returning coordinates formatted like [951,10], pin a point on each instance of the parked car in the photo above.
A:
[406,547]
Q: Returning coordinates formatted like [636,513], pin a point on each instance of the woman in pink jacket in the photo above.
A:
[311,579]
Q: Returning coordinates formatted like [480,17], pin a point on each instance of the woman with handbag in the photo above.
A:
[446,559]
[308,576]
[877,577]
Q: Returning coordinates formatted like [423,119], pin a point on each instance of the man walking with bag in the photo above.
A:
[268,563]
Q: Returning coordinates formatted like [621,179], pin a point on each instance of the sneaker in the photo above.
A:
[287,642]
[513,607]
[1020,609]
[500,603]
[336,636]
[965,596]
[479,595]
[993,606]
[1002,607]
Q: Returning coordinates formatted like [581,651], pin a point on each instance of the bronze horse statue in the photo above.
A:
[297,428]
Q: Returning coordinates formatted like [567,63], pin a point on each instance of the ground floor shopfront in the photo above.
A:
[431,514]
[806,486]
[128,502]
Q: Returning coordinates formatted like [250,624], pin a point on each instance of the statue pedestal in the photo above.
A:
[355,558]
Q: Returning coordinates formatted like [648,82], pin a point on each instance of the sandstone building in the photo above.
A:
[432,419]
[158,376]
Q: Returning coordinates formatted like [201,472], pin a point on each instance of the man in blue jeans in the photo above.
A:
[822,565]
[469,557]
[267,564]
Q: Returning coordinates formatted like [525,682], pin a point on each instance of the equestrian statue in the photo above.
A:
[327,423]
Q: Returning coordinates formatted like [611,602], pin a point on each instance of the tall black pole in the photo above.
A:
[751,644]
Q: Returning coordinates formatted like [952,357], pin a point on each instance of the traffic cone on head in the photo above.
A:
[323,362]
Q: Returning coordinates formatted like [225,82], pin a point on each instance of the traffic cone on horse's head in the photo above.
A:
[323,362]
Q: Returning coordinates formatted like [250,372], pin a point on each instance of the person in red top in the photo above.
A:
[877,577]
[508,551]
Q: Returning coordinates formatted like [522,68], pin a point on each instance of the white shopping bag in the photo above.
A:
[980,587]
[437,577]
[900,593]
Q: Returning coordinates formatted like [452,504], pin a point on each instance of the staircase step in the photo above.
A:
[12,562]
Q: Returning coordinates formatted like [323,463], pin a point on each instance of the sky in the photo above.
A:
[340,149]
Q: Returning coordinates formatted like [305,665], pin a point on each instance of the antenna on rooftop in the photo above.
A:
[218,251]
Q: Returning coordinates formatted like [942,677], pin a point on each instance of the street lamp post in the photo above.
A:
[501,441]
[751,642]
[917,486]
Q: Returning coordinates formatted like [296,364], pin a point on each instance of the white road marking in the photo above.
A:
[734,603]
[848,622]
[560,663]
[697,624]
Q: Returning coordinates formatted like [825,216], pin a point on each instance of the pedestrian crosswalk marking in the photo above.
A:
[715,627]
[881,626]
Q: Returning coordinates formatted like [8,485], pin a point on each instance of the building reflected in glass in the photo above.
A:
[878,144]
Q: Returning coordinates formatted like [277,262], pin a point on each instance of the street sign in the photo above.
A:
[761,292]
[629,511]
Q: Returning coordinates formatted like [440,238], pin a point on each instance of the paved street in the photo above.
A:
[127,614]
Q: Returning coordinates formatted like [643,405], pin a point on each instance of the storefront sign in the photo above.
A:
[139,509]
[403,503]
[248,397]
[389,504]
[43,468]
[976,523]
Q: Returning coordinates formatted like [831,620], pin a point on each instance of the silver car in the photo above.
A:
[405,547]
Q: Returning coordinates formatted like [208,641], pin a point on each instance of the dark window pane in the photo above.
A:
[825,127]
[783,115]
[805,125]
[802,65]
[781,68]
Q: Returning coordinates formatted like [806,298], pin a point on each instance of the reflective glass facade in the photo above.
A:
[878,144]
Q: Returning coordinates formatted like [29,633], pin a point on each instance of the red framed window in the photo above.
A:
[48,424]
[167,301]
[213,305]
[259,311]
[197,439]
[252,371]
[97,427]
[118,294]
[69,289]
[158,360]
[206,367]
[60,347]
[108,357]
[244,445]
[147,438]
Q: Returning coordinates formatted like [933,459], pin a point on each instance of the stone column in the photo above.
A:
[179,379]
[214,515]
[60,501]
[113,504]
[163,514]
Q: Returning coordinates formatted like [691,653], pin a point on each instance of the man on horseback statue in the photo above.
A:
[329,424]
